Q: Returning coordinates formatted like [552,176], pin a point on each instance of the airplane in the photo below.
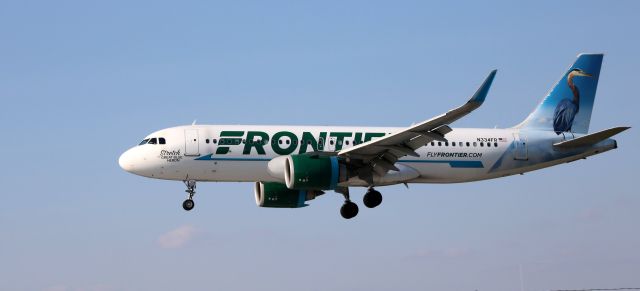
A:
[291,165]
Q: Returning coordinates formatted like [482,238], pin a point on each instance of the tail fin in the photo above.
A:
[567,107]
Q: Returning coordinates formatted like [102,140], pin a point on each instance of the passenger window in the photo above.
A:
[215,141]
[488,144]
[153,141]
[162,140]
[279,141]
[331,142]
[453,143]
[475,144]
[308,142]
[467,143]
[346,142]
[446,143]
[206,140]
[495,144]
[439,144]
[433,143]
[482,144]
[144,141]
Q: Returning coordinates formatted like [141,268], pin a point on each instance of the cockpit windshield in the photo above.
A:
[153,140]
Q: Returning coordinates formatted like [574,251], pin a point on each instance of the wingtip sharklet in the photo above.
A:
[481,93]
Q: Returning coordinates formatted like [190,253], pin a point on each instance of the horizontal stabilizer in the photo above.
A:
[591,139]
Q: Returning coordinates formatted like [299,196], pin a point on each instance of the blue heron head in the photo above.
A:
[578,73]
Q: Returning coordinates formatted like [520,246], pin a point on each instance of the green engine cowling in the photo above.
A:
[313,172]
[269,194]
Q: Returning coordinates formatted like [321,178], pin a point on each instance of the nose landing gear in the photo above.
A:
[191,190]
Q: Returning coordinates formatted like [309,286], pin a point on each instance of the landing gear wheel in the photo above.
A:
[349,210]
[191,190]
[372,198]
[188,204]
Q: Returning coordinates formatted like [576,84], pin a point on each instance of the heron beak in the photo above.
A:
[583,74]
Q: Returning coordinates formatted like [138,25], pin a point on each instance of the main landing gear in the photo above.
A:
[191,190]
[372,198]
[349,209]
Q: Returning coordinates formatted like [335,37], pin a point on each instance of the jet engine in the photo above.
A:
[269,194]
[313,172]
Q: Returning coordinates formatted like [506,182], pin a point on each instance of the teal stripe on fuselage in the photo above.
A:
[453,164]
[211,158]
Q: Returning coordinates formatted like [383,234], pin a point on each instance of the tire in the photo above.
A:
[372,199]
[349,210]
[188,204]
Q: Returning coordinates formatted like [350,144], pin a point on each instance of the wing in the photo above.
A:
[379,155]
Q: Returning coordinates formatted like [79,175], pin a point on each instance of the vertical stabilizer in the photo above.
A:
[567,107]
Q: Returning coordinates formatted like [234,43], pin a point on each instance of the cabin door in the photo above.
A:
[520,142]
[191,142]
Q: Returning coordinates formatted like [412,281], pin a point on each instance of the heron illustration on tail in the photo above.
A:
[567,109]
[558,112]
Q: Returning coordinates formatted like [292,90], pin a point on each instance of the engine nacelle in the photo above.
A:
[313,172]
[270,194]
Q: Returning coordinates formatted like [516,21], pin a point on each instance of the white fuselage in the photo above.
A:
[241,153]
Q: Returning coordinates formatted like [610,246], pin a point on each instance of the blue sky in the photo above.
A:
[81,81]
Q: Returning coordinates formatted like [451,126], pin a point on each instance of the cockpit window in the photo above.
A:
[161,140]
[144,141]
[153,141]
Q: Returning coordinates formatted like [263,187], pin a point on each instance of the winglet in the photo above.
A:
[482,92]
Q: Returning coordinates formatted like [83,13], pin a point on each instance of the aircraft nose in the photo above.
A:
[126,161]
